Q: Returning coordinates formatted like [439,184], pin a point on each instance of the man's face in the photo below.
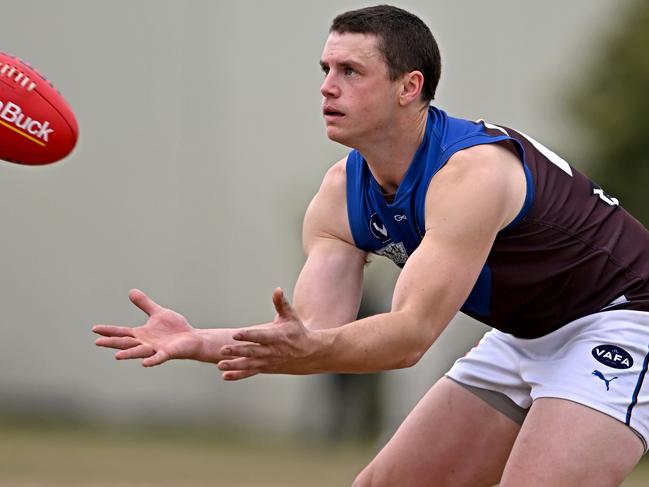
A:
[358,97]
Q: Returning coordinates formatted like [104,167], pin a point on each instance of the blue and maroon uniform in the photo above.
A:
[570,252]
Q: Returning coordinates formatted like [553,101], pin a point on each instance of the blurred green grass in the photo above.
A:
[56,455]
[53,455]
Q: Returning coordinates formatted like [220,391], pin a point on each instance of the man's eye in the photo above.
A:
[349,71]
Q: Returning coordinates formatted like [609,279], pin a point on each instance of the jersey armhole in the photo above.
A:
[353,168]
[529,199]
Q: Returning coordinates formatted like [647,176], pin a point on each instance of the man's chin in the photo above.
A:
[337,135]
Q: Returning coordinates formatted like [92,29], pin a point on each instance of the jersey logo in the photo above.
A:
[597,373]
[613,356]
[396,252]
[378,228]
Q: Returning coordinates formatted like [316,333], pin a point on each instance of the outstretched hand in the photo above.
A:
[285,346]
[165,335]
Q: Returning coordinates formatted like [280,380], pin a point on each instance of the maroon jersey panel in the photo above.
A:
[575,252]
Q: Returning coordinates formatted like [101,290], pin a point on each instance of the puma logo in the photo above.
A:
[597,373]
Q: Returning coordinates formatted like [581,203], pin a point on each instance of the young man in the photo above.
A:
[482,219]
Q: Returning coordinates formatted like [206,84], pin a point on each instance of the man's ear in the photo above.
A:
[411,85]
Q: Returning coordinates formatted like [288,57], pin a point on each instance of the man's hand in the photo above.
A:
[166,335]
[284,347]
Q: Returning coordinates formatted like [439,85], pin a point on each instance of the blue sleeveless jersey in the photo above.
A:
[516,291]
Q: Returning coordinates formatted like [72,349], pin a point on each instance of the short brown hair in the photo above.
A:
[404,40]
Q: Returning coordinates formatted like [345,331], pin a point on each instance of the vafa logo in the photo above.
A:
[613,356]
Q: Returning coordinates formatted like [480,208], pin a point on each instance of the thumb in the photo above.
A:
[282,306]
[144,302]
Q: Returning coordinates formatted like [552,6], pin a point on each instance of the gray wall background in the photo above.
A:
[201,143]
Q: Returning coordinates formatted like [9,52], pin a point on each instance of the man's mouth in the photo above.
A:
[330,112]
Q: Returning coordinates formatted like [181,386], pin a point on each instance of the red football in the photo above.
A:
[37,126]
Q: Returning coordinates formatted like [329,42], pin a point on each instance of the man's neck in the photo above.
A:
[390,157]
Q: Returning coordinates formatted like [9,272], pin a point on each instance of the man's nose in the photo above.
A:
[329,88]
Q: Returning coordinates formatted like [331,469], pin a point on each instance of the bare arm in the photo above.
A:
[478,193]
[327,292]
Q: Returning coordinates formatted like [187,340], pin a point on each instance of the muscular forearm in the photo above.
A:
[381,342]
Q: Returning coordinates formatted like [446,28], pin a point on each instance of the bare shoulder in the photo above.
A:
[335,179]
[492,161]
[326,216]
[482,178]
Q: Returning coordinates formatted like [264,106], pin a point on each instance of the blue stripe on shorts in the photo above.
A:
[638,385]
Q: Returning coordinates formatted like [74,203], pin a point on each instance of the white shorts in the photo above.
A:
[599,361]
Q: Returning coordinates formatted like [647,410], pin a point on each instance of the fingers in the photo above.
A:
[256,335]
[139,351]
[158,358]
[238,374]
[130,348]
[246,361]
[243,364]
[122,343]
[113,331]
[282,306]
[144,302]
[257,351]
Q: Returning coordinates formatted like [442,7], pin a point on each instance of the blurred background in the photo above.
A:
[201,144]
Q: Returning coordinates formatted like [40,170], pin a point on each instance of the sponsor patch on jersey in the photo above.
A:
[396,252]
[613,356]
